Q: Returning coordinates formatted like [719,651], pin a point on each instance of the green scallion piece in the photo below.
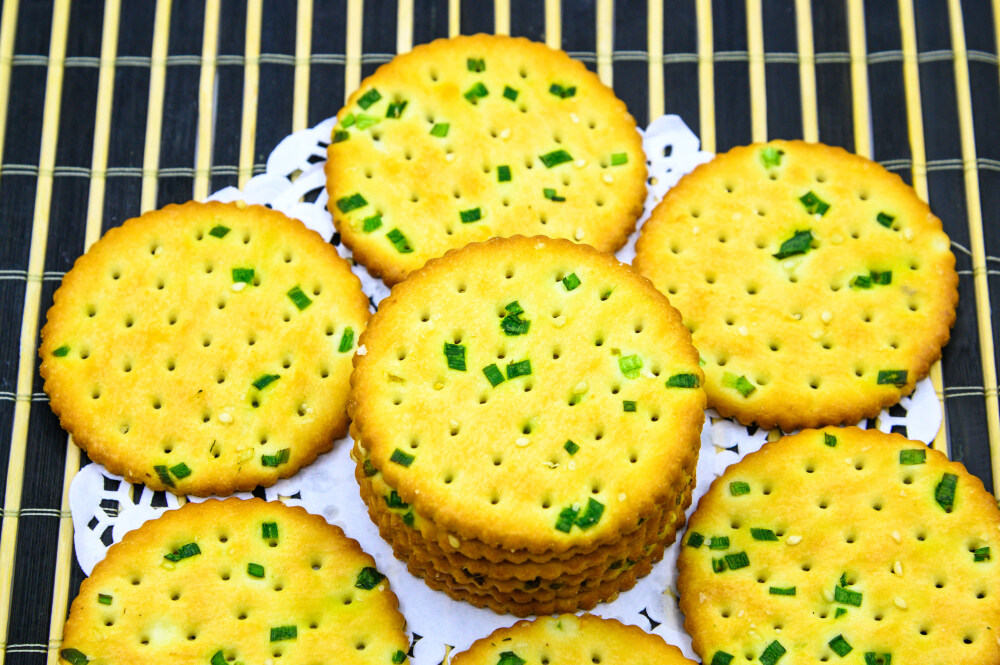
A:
[562,92]
[339,135]
[61,351]
[551,195]
[512,324]
[347,121]
[772,653]
[255,570]
[566,519]
[912,456]
[395,109]
[885,220]
[814,204]
[476,92]
[408,518]
[394,501]
[763,534]
[365,121]
[628,406]
[183,552]
[346,340]
[829,439]
[219,658]
[399,241]
[572,449]
[372,223]
[843,579]
[571,281]
[839,613]
[369,98]
[862,282]
[503,173]
[493,374]
[739,488]
[738,560]
[164,475]
[894,377]
[782,591]
[739,383]
[771,156]
[298,297]
[872,658]
[352,202]
[476,64]
[683,381]
[277,459]
[520,368]
[510,93]
[105,599]
[619,158]
[847,596]
[719,565]
[722,658]
[280,633]
[510,658]
[591,515]
[244,275]
[695,539]
[840,646]
[981,554]
[401,458]
[630,365]
[799,243]
[368,578]
[180,471]
[455,355]
[368,468]
[74,657]
[440,129]
[470,215]
[882,277]
[269,530]
[219,231]
[555,158]
[944,493]
[718,543]
[265,380]
[398,657]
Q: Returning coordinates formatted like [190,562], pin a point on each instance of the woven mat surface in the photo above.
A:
[112,107]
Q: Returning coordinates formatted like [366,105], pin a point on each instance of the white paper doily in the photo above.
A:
[105,507]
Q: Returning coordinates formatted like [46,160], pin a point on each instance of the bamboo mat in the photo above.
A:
[110,108]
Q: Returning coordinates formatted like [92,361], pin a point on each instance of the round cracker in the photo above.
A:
[169,370]
[790,341]
[317,597]
[490,462]
[861,526]
[402,193]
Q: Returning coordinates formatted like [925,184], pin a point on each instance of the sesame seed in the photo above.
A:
[559,321]
[453,541]
[897,568]
[581,387]
[574,117]
[225,418]
[608,178]
[239,286]
[522,441]
[579,233]
[793,540]
[908,234]
[826,317]
[743,331]
[621,497]
[450,157]
[505,134]
[897,537]
[362,350]
[828,595]
[580,163]
[899,602]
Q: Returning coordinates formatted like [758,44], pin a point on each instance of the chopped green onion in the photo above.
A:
[862,282]
[912,456]
[782,591]
[277,459]
[346,340]
[521,368]
[562,92]
[719,565]
[591,515]
[440,129]
[399,241]
[398,657]
[551,195]
[105,599]
[269,530]
[839,613]
[244,275]
[619,158]
[885,220]
[572,448]
[395,109]
[738,560]
[164,474]
[219,231]
[630,365]
[369,98]
[763,534]
[847,596]
[74,657]
[843,579]
[352,202]
[800,243]
[255,570]
[365,121]
[493,374]
[512,324]
[455,355]
[183,552]
[695,539]
[401,458]
[476,92]
[476,64]
[683,381]
[279,633]
[738,383]
[368,468]
[840,646]
[566,519]
[872,658]
[829,439]
[628,405]
[347,121]
[408,518]
[555,158]
[61,351]
[510,658]
[368,578]
[394,501]
[339,135]
[265,380]
[722,658]
[944,493]
[299,298]
[510,93]
[470,215]
[503,173]
[571,281]
[981,554]
[372,223]
[719,543]
[180,471]
[882,277]
[739,488]
[895,377]
[814,204]
[771,156]
[219,658]
[772,653]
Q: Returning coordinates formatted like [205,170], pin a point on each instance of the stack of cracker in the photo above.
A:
[527,415]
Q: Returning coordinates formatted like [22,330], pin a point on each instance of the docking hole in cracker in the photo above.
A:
[204,348]
[817,286]
[477,136]
[843,545]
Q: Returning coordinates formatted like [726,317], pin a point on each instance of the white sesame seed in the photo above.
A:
[574,117]
[571,465]
[793,540]
[608,178]
[899,602]
[581,387]
[453,541]
[580,163]
[559,321]
[788,264]
[450,157]
[743,331]
[897,537]
[522,441]
[158,250]
[828,595]
[579,233]
[225,418]
[362,350]
[505,134]
[897,568]
[621,497]
[908,234]
[238,286]
[826,317]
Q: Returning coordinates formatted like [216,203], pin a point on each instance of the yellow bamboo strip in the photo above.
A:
[206,100]
[251,89]
[654,44]
[352,69]
[807,70]
[977,245]
[32,306]
[758,88]
[404,26]
[154,111]
[553,23]
[706,75]
[501,17]
[605,31]
[454,17]
[303,49]
[8,26]
[918,156]
[859,77]
[95,210]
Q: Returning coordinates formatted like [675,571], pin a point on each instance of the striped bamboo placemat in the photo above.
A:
[108,109]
